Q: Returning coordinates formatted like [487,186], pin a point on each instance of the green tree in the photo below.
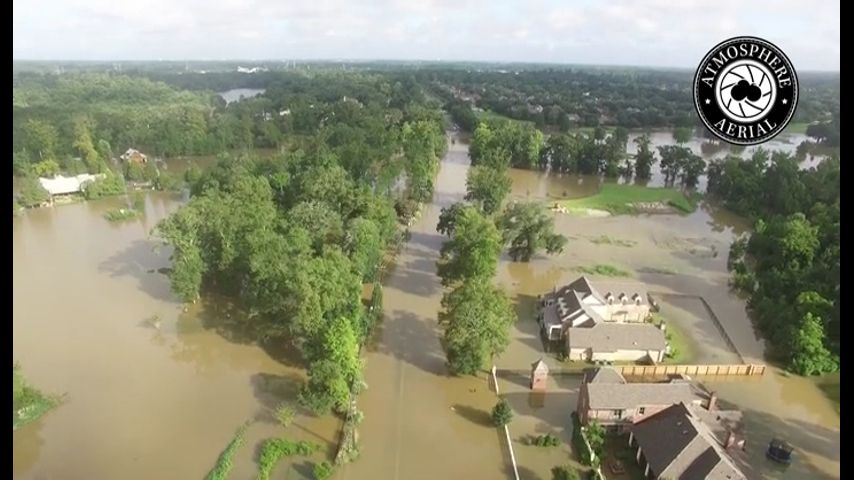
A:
[448,218]
[487,187]
[527,229]
[363,245]
[809,355]
[477,317]
[473,249]
[45,168]
[562,472]
[596,437]
[322,471]
[682,135]
[31,193]
[40,139]
[645,158]
[502,413]
[85,146]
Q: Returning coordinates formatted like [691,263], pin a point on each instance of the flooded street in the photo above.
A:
[146,402]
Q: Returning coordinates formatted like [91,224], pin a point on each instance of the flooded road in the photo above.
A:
[147,402]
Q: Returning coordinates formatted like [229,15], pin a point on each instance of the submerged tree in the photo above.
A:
[644,158]
[477,317]
[487,187]
[502,413]
[472,250]
[527,228]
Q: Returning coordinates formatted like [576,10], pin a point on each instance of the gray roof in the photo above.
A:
[676,444]
[621,396]
[603,375]
[611,337]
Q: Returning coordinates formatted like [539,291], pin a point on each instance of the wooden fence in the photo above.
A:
[693,370]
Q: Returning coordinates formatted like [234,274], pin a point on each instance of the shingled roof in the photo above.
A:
[608,390]
[611,337]
[676,444]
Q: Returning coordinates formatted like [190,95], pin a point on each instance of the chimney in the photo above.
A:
[713,401]
[730,439]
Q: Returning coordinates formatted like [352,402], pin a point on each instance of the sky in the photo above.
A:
[661,33]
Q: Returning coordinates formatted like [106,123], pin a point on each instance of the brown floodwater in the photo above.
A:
[142,402]
[147,402]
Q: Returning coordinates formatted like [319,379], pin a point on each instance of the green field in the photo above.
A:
[793,127]
[621,199]
[603,270]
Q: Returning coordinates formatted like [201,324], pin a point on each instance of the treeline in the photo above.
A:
[594,153]
[95,117]
[789,265]
[294,236]
[476,314]
[564,98]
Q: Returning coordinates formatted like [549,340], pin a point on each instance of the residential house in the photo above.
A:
[606,396]
[606,321]
[677,443]
[135,156]
[59,185]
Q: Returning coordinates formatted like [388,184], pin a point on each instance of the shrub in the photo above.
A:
[564,473]
[547,440]
[275,448]
[285,415]
[502,413]
[585,454]
[45,168]
[224,462]
[322,471]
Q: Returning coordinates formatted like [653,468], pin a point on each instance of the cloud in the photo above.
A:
[642,32]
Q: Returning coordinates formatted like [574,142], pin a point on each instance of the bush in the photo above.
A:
[121,215]
[564,473]
[547,440]
[322,471]
[166,182]
[275,448]
[285,415]
[585,454]
[224,463]
[502,413]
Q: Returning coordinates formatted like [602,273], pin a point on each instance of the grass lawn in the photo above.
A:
[683,345]
[829,384]
[28,404]
[621,199]
[604,270]
[799,127]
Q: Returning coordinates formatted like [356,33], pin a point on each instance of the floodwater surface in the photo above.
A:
[146,402]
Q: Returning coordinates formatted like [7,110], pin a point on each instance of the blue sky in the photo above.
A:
[664,33]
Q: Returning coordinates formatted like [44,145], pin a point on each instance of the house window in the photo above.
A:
[618,413]
[641,410]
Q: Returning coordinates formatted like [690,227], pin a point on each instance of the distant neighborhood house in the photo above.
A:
[606,321]
[60,185]
[134,156]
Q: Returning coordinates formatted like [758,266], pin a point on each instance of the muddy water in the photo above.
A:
[162,403]
[420,423]
[408,407]
[143,402]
